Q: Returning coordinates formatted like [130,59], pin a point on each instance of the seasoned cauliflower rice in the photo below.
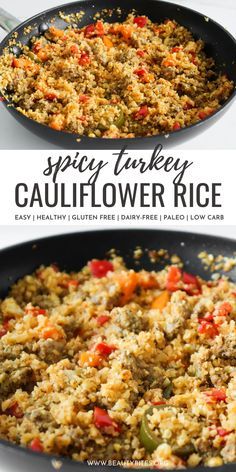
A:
[115,80]
[109,363]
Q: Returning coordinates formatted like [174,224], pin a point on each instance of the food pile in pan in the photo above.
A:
[116,364]
[115,80]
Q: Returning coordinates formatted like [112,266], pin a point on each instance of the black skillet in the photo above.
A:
[71,252]
[219,44]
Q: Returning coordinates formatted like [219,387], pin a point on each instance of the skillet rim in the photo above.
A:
[81,138]
[23,451]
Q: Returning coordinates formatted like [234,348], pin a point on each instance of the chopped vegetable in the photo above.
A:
[103,421]
[55,32]
[167,392]
[74,49]
[140,72]
[100,268]
[176,280]
[168,63]
[141,113]
[42,55]
[222,432]
[95,29]
[140,53]
[91,359]
[177,49]
[84,98]
[176,126]
[119,122]
[128,282]
[34,311]
[108,43]
[216,395]
[4,328]
[89,30]
[36,445]
[51,96]
[146,280]
[174,276]
[84,59]
[150,441]
[102,319]
[52,332]
[161,301]
[223,310]
[14,410]
[208,328]
[73,283]
[105,349]
[140,21]
[57,122]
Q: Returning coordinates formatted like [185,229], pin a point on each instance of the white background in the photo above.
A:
[220,135]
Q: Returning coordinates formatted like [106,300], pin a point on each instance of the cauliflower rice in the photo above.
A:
[115,80]
[112,364]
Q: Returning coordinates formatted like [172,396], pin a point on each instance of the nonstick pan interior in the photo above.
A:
[219,44]
[71,252]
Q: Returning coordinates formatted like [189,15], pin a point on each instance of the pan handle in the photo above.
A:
[7,21]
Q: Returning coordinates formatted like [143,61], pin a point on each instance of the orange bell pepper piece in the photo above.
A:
[57,33]
[42,55]
[146,280]
[161,301]
[52,332]
[128,282]
[57,122]
[108,43]
[91,359]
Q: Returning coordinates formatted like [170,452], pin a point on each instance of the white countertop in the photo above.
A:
[220,135]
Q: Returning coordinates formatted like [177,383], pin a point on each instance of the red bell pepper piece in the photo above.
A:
[105,349]
[5,328]
[51,96]
[176,126]
[216,395]
[74,49]
[102,319]
[89,31]
[103,421]
[222,432]
[140,21]
[36,445]
[223,310]
[141,113]
[140,72]
[84,59]
[100,268]
[177,49]
[34,311]
[14,410]
[140,53]
[208,328]
[161,402]
[174,277]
